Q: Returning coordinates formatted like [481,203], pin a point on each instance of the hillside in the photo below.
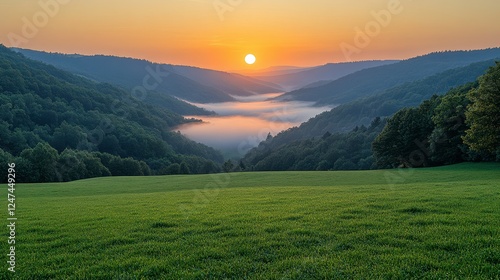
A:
[129,73]
[273,70]
[459,126]
[375,80]
[362,111]
[188,83]
[407,224]
[42,104]
[318,145]
[338,151]
[328,72]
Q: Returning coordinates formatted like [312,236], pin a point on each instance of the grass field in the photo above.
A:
[437,223]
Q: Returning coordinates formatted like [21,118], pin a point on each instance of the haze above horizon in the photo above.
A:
[217,34]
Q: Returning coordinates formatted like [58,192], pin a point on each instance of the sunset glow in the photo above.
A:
[217,34]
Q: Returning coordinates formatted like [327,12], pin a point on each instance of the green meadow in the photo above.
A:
[434,223]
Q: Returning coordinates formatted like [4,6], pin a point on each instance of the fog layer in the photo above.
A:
[243,124]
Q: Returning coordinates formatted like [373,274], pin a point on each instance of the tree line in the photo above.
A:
[337,151]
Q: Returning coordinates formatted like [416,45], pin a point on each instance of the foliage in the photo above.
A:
[483,114]
[404,139]
[228,166]
[44,111]
[432,133]
[362,111]
[427,135]
[445,142]
[162,85]
[339,151]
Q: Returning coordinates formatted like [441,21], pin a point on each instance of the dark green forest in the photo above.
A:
[338,151]
[461,125]
[87,129]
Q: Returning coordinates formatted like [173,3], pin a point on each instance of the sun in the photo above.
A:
[250,59]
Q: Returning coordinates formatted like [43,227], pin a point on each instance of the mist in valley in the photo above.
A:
[243,124]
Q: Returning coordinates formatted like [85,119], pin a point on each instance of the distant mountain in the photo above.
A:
[187,83]
[40,104]
[299,78]
[229,83]
[274,71]
[362,111]
[317,84]
[375,80]
[341,139]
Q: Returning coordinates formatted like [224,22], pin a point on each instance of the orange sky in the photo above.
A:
[278,32]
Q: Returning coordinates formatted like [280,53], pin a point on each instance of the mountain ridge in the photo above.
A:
[330,71]
[377,79]
[131,72]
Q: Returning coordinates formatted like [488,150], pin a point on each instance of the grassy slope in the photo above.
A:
[426,223]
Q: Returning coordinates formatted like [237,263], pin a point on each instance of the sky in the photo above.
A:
[217,34]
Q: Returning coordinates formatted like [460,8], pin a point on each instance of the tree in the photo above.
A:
[184,168]
[43,159]
[74,165]
[242,166]
[404,140]
[483,114]
[67,136]
[446,145]
[228,166]
[69,166]
[173,169]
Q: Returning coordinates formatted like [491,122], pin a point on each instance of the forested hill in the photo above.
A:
[129,73]
[375,80]
[362,111]
[188,83]
[48,111]
[461,125]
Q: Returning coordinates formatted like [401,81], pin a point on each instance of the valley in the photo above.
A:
[242,124]
[262,139]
